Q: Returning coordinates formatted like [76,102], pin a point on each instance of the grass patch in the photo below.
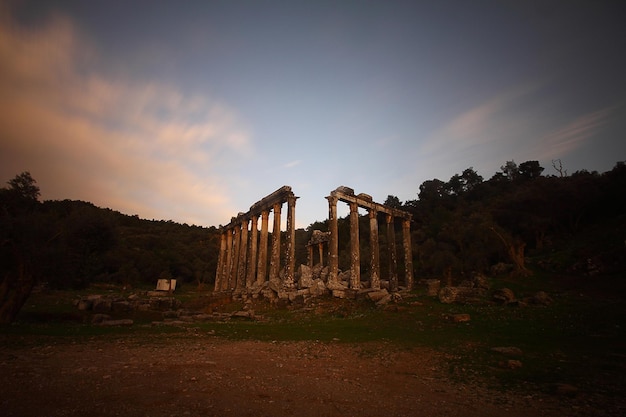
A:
[578,340]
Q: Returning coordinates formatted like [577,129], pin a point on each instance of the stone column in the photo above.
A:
[243,253]
[333,243]
[228,266]
[375,257]
[250,277]
[310,256]
[219,275]
[391,249]
[355,255]
[290,258]
[408,255]
[235,263]
[320,248]
[262,269]
[275,257]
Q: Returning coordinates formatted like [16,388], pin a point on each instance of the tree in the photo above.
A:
[530,170]
[393,201]
[25,186]
[510,170]
[24,237]
[431,190]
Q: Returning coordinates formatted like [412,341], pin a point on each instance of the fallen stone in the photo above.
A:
[508,350]
[99,318]
[376,296]
[504,296]
[459,318]
[460,295]
[122,322]
[565,389]
[384,301]
[120,306]
[540,298]
[244,314]
[511,364]
[101,305]
[306,277]
[318,288]
[432,287]
[84,305]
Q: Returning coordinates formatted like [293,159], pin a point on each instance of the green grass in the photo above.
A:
[577,340]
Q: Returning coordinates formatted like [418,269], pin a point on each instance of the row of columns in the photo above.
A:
[242,260]
[355,257]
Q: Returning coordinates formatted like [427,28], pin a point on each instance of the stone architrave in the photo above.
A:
[262,268]
[355,256]
[275,256]
[391,251]
[333,243]
[243,252]
[375,256]
[252,262]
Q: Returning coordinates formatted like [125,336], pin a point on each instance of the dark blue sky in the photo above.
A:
[194,110]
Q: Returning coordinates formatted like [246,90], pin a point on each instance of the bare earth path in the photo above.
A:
[200,375]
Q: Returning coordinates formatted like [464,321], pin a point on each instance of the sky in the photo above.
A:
[192,111]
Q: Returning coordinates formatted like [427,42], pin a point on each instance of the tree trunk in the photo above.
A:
[14,291]
[515,250]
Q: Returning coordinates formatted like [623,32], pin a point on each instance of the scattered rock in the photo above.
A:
[460,295]
[432,287]
[99,318]
[565,390]
[511,364]
[504,296]
[376,296]
[384,301]
[122,322]
[459,318]
[508,350]
[540,298]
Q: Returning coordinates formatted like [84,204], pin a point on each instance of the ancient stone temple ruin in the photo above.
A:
[243,259]
[242,262]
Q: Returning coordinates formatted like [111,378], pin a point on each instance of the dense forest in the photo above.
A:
[574,224]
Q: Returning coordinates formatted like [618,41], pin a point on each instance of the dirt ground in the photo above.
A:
[203,375]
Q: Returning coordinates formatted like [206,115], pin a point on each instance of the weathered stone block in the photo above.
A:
[504,296]
[120,306]
[318,288]
[101,305]
[122,322]
[376,296]
[306,277]
[459,318]
[460,295]
[432,287]
[339,293]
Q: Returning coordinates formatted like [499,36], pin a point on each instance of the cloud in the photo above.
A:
[292,163]
[482,136]
[573,135]
[138,146]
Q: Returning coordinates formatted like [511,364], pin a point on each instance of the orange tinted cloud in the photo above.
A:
[132,145]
